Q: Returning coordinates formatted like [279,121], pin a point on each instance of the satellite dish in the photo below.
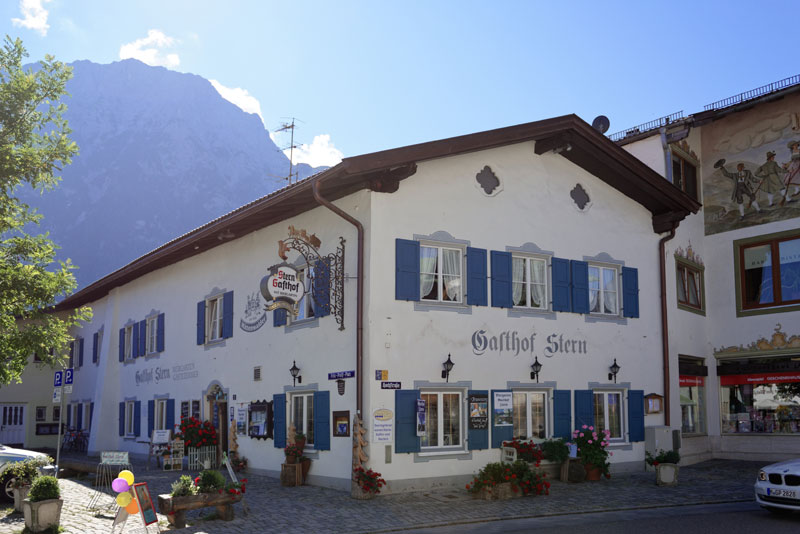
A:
[601,124]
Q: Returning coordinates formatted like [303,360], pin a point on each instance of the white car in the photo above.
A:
[10,455]
[778,486]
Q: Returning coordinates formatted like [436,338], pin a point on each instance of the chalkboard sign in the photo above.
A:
[478,411]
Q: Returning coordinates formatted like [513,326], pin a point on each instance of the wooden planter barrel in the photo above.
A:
[175,507]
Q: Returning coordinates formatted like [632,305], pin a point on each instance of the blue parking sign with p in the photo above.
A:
[68,376]
[58,378]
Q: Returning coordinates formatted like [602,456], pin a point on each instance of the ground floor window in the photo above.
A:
[129,414]
[608,412]
[693,404]
[161,415]
[766,403]
[530,414]
[41,413]
[303,415]
[443,419]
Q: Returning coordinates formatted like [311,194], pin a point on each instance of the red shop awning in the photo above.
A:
[760,378]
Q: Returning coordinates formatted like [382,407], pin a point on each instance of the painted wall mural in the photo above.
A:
[751,167]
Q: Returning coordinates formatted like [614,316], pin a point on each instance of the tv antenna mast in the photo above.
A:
[284,127]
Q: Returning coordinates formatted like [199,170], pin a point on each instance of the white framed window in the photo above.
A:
[302,416]
[443,415]
[214,319]
[152,334]
[85,422]
[161,415]
[129,342]
[129,416]
[306,304]
[531,414]
[41,413]
[196,409]
[603,290]
[608,413]
[441,274]
[529,277]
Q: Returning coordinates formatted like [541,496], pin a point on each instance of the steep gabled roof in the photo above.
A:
[568,135]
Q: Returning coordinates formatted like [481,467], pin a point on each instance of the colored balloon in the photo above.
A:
[124,499]
[132,507]
[120,485]
[127,475]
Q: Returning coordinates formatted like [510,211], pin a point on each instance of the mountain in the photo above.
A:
[161,153]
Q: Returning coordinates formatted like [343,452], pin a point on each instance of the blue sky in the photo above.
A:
[371,75]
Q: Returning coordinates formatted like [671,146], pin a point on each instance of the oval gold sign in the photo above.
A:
[383,415]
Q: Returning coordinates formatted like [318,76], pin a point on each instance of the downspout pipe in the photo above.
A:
[315,189]
[662,254]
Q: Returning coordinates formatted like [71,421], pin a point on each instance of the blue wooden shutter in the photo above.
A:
[69,415]
[160,333]
[151,418]
[71,355]
[406,281]
[630,292]
[561,287]
[142,337]
[95,348]
[405,409]
[171,414]
[279,316]
[80,352]
[579,271]
[477,286]
[584,408]
[201,322]
[122,344]
[91,415]
[501,279]
[121,418]
[500,433]
[137,418]
[636,414]
[477,438]
[79,417]
[279,408]
[322,420]
[562,414]
[227,315]
[321,289]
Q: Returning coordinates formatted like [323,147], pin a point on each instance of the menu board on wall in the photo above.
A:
[503,404]
[478,411]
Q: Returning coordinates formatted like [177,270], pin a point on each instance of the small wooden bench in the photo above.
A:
[175,507]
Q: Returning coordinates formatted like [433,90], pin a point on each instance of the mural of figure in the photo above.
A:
[770,174]
[743,179]
[792,171]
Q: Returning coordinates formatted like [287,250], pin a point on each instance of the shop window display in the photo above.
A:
[767,403]
[693,404]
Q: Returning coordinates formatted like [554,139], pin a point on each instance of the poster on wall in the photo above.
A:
[420,417]
[382,431]
[478,411]
[241,421]
[502,408]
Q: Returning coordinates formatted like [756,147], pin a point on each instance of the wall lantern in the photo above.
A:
[614,370]
[536,366]
[340,386]
[295,371]
[448,366]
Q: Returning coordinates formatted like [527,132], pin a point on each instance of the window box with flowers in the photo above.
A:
[208,489]
[501,480]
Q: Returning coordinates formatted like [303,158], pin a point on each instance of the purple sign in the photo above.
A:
[341,374]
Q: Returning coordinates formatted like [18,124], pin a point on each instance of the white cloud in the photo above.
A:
[239,97]
[149,50]
[320,152]
[35,16]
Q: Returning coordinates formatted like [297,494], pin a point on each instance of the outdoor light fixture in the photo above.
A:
[295,371]
[340,386]
[536,366]
[448,366]
[614,370]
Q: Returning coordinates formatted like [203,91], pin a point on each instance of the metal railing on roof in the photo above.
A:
[647,126]
[754,93]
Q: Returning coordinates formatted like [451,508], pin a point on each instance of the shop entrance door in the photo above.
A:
[12,425]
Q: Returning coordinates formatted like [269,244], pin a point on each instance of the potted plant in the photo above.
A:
[206,490]
[238,463]
[592,451]
[366,483]
[499,480]
[666,466]
[22,474]
[306,463]
[556,451]
[292,452]
[42,508]
[300,440]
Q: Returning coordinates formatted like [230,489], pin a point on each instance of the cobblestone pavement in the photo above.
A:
[311,509]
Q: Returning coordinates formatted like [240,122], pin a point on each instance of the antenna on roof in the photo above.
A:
[601,124]
[283,127]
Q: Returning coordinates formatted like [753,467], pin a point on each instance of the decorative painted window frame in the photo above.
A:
[680,261]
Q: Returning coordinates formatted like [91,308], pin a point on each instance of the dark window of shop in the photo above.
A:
[769,271]
[692,382]
[684,176]
[690,281]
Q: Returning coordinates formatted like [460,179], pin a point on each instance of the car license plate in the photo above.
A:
[782,493]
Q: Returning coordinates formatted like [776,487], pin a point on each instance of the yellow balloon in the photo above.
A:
[127,475]
[132,507]
[124,499]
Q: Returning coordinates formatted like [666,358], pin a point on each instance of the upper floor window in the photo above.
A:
[530,414]
[214,318]
[129,342]
[305,308]
[440,274]
[690,285]
[608,412]
[443,416]
[152,334]
[529,278]
[603,290]
[684,175]
[769,272]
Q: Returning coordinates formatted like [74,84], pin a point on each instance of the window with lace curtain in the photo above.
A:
[440,274]
[529,278]
[603,290]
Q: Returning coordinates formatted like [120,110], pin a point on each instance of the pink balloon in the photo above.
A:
[120,485]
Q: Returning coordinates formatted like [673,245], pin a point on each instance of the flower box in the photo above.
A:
[667,474]
[42,515]
[20,494]
[175,507]
[500,492]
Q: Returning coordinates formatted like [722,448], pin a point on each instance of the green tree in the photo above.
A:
[34,144]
